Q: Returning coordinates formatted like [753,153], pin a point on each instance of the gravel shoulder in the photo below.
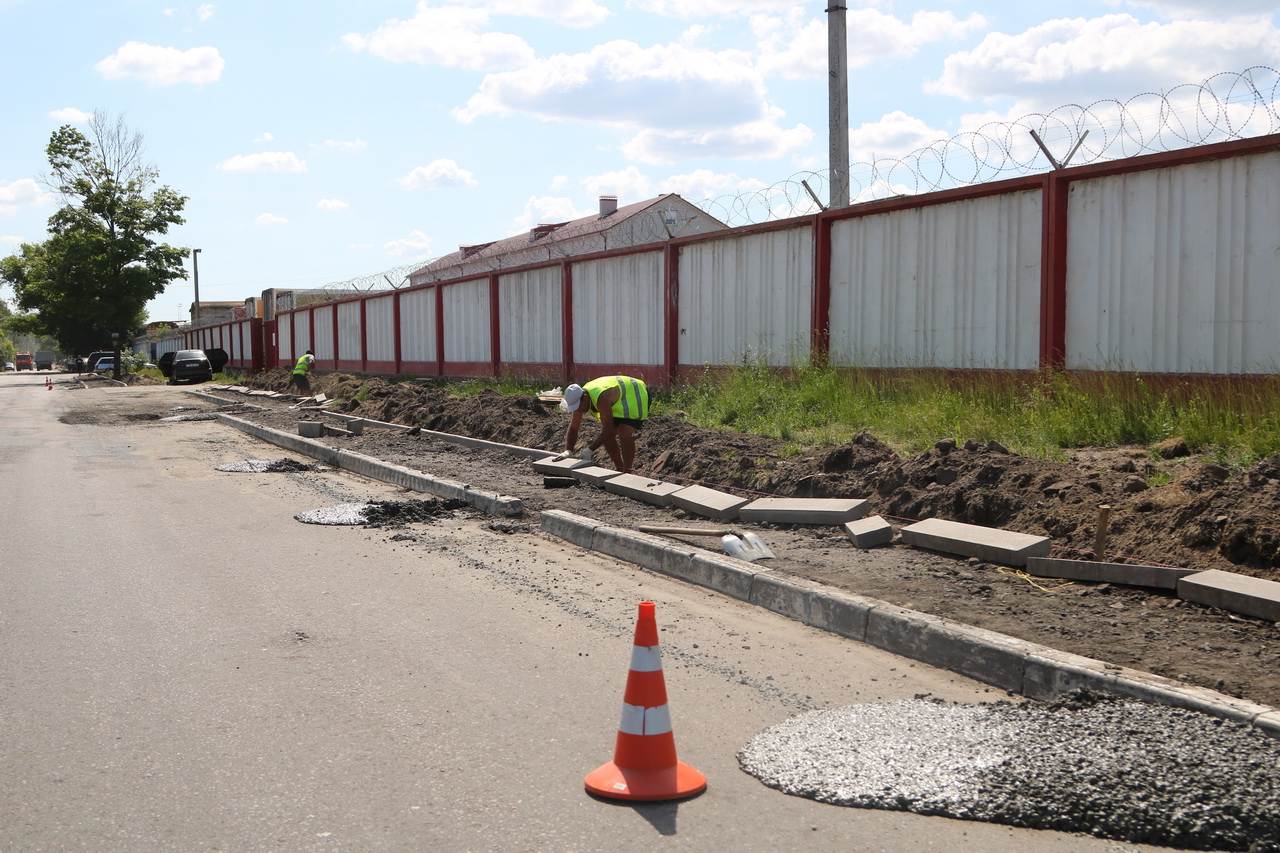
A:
[1144,630]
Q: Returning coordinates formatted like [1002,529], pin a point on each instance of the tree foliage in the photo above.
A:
[102,261]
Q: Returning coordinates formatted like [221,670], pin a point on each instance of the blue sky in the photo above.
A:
[323,140]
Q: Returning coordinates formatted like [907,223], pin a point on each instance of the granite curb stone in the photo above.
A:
[1237,593]
[593,475]
[708,503]
[872,532]
[804,510]
[972,540]
[1128,574]
[558,467]
[645,489]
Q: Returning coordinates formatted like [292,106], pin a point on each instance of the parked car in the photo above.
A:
[191,365]
[105,365]
[9,365]
[45,359]
[91,363]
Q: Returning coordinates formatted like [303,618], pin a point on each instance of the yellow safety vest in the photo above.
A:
[301,368]
[632,403]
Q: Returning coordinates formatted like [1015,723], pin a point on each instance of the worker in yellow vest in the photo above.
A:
[300,370]
[620,404]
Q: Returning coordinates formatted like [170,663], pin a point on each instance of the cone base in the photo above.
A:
[672,783]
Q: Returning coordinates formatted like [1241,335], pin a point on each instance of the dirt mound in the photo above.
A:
[400,513]
[1206,517]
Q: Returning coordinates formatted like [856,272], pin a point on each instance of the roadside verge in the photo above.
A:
[376,469]
[1017,666]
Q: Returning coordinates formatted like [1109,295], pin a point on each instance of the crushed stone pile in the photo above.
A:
[1108,767]
[196,416]
[382,513]
[270,466]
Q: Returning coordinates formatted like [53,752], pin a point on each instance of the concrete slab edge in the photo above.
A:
[1017,666]
[376,469]
[221,401]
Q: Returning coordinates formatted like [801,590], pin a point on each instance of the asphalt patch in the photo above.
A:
[270,466]
[1113,768]
[382,513]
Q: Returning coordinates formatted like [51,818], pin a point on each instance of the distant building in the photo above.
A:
[215,312]
[613,227]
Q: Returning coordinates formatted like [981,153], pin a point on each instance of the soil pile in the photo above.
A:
[1113,768]
[400,513]
[270,466]
[1206,517]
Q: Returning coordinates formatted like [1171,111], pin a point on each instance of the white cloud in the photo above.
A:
[795,47]
[415,242]
[168,13]
[205,12]
[1110,56]
[765,139]
[559,182]
[70,115]
[568,13]
[11,239]
[162,66]
[629,184]
[436,175]
[20,193]
[544,209]
[266,136]
[703,184]
[449,36]
[349,146]
[264,161]
[332,204]
[1208,9]
[270,219]
[892,135]
[709,8]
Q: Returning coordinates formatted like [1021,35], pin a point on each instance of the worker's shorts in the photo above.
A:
[300,380]
[634,423]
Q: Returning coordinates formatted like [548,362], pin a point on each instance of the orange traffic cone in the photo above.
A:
[48,384]
[644,765]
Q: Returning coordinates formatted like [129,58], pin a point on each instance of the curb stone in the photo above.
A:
[376,469]
[1017,666]
[222,401]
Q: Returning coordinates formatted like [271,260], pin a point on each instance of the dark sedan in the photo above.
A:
[191,365]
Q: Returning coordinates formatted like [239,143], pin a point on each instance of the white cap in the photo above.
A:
[572,398]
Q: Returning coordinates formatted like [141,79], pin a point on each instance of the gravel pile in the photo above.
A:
[381,513]
[198,416]
[1108,767]
[270,466]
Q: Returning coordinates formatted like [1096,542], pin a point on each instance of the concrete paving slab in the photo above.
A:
[972,540]
[644,489]
[709,503]
[1229,591]
[869,532]
[558,467]
[593,474]
[310,429]
[1128,574]
[804,510]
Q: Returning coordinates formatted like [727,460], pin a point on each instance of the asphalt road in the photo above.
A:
[185,667]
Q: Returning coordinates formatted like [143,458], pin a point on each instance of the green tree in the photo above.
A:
[102,262]
[7,350]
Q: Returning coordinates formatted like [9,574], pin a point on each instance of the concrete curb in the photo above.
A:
[452,438]
[376,469]
[1014,665]
[222,401]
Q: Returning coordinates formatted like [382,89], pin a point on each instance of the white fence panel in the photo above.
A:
[232,337]
[349,331]
[530,318]
[323,344]
[1176,270]
[380,330]
[284,337]
[951,285]
[466,321]
[246,340]
[617,310]
[747,299]
[418,325]
[302,331]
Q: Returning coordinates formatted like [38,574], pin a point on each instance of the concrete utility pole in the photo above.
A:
[838,102]
[195,274]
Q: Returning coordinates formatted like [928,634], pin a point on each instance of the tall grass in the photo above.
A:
[1238,421]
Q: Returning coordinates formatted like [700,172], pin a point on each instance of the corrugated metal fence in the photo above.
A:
[1168,263]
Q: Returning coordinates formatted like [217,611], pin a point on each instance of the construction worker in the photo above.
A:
[300,370]
[620,404]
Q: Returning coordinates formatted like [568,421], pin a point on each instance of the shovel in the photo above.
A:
[744,546]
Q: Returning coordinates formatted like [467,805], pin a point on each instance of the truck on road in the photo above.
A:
[25,361]
[45,359]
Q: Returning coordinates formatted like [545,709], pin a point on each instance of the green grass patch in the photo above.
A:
[151,372]
[513,387]
[1237,421]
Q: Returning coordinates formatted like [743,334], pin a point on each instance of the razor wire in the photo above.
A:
[389,279]
[1226,106]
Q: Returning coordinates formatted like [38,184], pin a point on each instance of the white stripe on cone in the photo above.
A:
[639,720]
[645,659]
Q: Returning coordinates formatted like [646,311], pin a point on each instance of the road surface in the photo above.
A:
[185,667]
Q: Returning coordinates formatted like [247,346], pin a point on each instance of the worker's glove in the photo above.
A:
[586,455]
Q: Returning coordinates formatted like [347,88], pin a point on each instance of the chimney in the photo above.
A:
[608,205]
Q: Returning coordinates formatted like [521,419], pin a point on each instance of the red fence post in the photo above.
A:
[439,330]
[495,327]
[820,338]
[364,338]
[566,322]
[1053,273]
[395,326]
[671,313]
